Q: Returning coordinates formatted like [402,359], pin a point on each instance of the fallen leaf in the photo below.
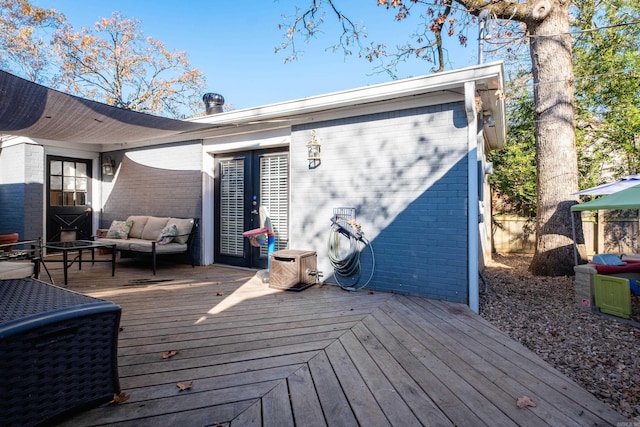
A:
[371,292]
[119,398]
[169,354]
[185,386]
[524,401]
[220,294]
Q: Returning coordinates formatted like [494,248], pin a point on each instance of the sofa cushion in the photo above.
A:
[119,230]
[153,228]
[169,248]
[184,228]
[121,245]
[138,223]
[167,234]
[16,269]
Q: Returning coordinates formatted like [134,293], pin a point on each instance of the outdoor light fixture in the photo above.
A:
[313,151]
[108,166]
[489,120]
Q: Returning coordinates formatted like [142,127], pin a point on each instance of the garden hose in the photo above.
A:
[348,265]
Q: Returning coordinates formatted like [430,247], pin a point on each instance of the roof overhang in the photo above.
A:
[489,79]
[38,112]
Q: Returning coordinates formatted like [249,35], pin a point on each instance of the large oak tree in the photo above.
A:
[115,63]
[25,31]
[546,25]
[112,62]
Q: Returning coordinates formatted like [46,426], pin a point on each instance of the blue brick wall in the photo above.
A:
[405,172]
[21,190]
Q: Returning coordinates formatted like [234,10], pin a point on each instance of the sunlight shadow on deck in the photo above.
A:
[252,288]
[136,289]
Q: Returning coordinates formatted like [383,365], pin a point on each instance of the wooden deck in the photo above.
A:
[263,357]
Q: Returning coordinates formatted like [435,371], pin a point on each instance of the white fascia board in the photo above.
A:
[489,74]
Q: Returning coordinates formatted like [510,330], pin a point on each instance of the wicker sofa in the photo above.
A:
[151,235]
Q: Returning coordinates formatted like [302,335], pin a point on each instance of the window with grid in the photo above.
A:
[68,183]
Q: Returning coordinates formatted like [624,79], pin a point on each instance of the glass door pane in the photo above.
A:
[232,207]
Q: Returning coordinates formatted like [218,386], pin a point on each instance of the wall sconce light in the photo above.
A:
[313,151]
[488,119]
[108,166]
[488,168]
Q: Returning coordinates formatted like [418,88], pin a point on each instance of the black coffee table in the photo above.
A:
[78,246]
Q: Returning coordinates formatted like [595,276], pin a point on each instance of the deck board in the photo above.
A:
[304,399]
[360,398]
[403,384]
[333,401]
[259,356]
[276,408]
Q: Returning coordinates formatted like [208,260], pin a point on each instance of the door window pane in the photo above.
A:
[81,170]
[232,207]
[274,195]
[56,183]
[56,167]
[69,168]
[81,198]
[81,184]
[69,183]
[68,198]
[55,198]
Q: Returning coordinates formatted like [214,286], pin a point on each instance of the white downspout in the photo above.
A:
[207,217]
[472,197]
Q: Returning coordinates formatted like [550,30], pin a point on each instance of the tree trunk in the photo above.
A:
[556,155]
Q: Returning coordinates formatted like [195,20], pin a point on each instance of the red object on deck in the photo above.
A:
[629,266]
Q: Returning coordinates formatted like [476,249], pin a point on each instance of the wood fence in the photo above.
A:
[604,232]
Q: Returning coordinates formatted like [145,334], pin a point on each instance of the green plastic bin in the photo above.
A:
[613,295]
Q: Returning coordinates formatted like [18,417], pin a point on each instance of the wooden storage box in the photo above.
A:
[291,269]
[58,351]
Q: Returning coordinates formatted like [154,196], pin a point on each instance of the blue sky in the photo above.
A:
[233,42]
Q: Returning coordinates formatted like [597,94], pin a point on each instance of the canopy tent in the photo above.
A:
[625,199]
[612,187]
[35,111]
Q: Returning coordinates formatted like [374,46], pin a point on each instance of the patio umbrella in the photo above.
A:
[612,187]
[628,198]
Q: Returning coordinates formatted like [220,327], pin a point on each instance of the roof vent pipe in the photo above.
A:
[213,103]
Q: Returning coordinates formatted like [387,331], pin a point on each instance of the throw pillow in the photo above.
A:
[119,230]
[167,234]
